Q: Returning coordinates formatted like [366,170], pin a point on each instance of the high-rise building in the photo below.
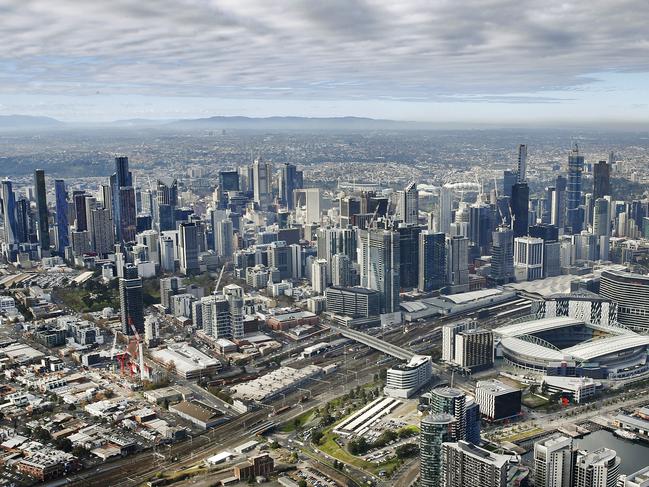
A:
[25,222]
[381,261]
[223,234]
[636,479]
[436,429]
[599,468]
[408,204]
[520,204]
[131,301]
[502,256]
[457,263]
[528,257]
[355,302]
[290,179]
[101,234]
[474,349]
[319,276]
[554,459]
[574,212]
[262,179]
[409,255]
[445,209]
[450,401]
[630,292]
[164,214]
[188,248]
[167,258]
[481,225]
[234,296]
[432,261]
[123,201]
[42,213]
[9,213]
[522,164]
[467,465]
[601,180]
[341,270]
[510,178]
[558,203]
[62,225]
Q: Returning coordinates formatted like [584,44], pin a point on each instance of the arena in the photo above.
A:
[567,346]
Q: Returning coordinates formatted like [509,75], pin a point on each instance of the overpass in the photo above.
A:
[376,343]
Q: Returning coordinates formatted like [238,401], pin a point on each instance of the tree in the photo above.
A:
[64,444]
[41,435]
[302,483]
[316,437]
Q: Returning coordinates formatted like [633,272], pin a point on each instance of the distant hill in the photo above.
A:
[291,123]
[27,121]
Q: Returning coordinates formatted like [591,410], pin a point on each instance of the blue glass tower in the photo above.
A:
[574,212]
[61,214]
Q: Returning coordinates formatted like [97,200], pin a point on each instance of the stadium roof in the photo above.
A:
[537,326]
[605,346]
[535,350]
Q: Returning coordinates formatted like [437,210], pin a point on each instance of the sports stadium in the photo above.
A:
[566,346]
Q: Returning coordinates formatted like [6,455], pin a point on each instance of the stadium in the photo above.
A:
[571,347]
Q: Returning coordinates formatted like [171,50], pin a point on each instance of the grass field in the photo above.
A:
[305,418]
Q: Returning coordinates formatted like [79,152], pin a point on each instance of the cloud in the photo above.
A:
[501,51]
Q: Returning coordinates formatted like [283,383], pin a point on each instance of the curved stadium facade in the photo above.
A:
[631,293]
[567,346]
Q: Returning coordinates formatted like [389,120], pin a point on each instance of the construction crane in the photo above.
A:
[112,350]
[218,281]
[140,351]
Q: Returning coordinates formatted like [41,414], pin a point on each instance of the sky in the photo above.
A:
[488,61]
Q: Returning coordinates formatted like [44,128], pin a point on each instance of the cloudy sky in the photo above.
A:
[495,61]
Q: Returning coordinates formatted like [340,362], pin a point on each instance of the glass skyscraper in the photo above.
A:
[62,223]
[573,190]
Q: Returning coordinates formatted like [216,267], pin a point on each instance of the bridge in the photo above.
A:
[376,343]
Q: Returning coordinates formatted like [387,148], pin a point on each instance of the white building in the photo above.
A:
[600,468]
[406,379]
[528,258]
[319,276]
[553,462]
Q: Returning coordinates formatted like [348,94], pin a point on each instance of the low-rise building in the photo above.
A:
[406,379]
[198,413]
[261,465]
[498,401]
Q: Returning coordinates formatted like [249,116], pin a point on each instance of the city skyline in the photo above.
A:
[496,63]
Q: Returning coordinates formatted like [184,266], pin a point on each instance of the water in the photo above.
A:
[634,454]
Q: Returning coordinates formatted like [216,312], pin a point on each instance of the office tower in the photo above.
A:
[262,175]
[80,242]
[164,214]
[167,258]
[457,263]
[502,256]
[601,180]
[234,296]
[584,246]
[432,261]
[42,214]
[436,429]
[308,204]
[497,400]
[290,179]
[554,458]
[520,204]
[409,255]
[350,207]
[341,270]
[24,220]
[574,214]
[101,233]
[9,213]
[467,465]
[229,180]
[279,257]
[151,240]
[445,209]
[408,204]
[558,203]
[510,178]
[123,201]
[216,317]
[587,210]
[131,301]
[223,235]
[599,468]
[528,257]
[80,214]
[473,419]
[381,261]
[319,276]
[106,198]
[449,334]
[62,225]
[188,248]
[522,164]
[481,225]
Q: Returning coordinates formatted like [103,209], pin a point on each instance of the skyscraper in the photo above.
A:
[502,256]
[62,225]
[481,224]
[408,255]
[602,226]
[290,179]
[101,231]
[574,213]
[522,163]
[123,201]
[451,401]
[408,204]
[432,261]
[131,301]
[42,213]
[164,214]
[223,239]
[188,248]
[457,263]
[262,174]
[558,203]
[10,221]
[380,266]
[444,209]
[554,458]
[520,204]
[435,430]
[528,257]
[510,178]
[601,180]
